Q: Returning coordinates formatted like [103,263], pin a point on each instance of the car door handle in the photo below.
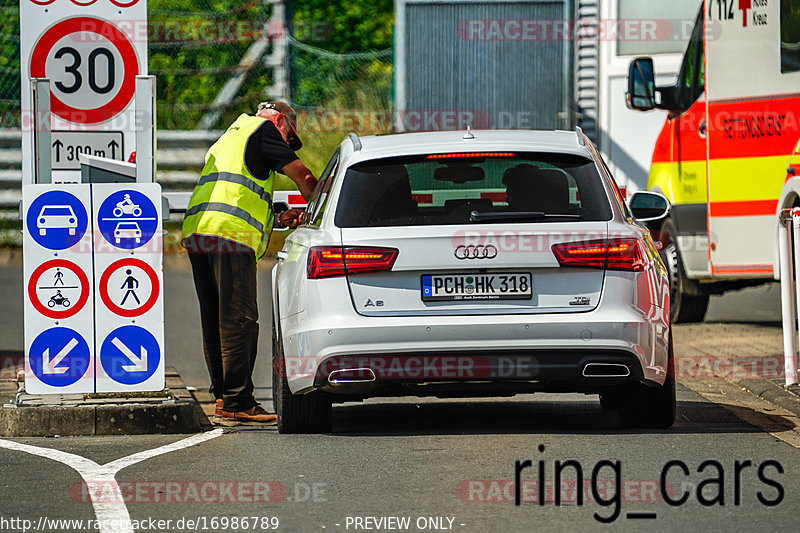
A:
[702,129]
[282,254]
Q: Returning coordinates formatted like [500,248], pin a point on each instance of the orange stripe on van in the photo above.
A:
[748,208]
[742,269]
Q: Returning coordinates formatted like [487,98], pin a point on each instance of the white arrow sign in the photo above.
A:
[139,363]
[49,365]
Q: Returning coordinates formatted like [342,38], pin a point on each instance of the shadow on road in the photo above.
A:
[515,417]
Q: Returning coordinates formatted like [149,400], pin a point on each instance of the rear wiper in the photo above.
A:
[477,216]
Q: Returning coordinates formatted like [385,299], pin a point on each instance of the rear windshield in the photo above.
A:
[448,189]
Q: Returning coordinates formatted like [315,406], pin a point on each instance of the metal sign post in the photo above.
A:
[145,129]
[40,96]
[789,249]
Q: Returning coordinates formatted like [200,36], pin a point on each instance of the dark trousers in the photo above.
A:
[226,287]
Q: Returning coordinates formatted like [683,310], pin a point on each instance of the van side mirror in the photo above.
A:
[641,93]
[648,206]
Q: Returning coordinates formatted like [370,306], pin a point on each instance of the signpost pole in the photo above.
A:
[42,137]
[145,129]
[788,295]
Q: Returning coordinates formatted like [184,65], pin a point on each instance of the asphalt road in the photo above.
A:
[443,465]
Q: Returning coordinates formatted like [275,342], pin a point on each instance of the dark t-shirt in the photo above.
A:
[266,150]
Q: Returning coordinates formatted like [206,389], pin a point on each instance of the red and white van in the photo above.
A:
[728,156]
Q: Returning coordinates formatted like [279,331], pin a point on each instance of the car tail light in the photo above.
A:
[332,261]
[613,254]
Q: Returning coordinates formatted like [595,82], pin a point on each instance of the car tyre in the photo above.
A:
[651,407]
[611,401]
[297,413]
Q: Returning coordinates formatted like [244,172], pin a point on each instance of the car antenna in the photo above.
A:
[579,133]
[469,134]
[356,141]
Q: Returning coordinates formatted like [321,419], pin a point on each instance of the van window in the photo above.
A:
[671,23]
[790,36]
[691,80]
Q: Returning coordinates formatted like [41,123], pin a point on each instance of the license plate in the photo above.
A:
[499,286]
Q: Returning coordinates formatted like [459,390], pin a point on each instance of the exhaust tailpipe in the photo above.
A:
[606,370]
[351,375]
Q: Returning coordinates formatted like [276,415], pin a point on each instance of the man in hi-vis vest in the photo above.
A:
[226,230]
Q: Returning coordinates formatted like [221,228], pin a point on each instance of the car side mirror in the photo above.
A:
[641,94]
[648,206]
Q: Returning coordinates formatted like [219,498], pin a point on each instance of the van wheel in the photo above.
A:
[651,407]
[297,413]
[687,300]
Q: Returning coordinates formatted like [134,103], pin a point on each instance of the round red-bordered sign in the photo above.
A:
[83,3]
[129,3]
[138,263]
[120,41]
[43,2]
[52,313]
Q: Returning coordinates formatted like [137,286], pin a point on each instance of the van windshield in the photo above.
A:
[442,189]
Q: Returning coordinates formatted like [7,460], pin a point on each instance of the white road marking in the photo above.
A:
[110,514]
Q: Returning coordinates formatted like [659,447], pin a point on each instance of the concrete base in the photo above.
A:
[172,410]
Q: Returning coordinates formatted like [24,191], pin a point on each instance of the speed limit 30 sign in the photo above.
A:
[92,51]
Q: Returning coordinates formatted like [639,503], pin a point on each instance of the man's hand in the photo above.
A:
[305,180]
[291,218]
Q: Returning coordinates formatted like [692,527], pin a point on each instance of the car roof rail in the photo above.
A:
[579,133]
[356,141]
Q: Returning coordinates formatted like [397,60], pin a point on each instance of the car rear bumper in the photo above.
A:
[547,351]
[378,356]
[477,372]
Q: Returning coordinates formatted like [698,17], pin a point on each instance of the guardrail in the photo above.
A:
[180,159]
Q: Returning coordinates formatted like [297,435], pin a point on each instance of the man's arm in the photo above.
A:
[305,180]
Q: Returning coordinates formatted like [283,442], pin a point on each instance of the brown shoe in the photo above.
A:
[218,407]
[256,415]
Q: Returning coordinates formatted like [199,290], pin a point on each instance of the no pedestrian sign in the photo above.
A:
[129,287]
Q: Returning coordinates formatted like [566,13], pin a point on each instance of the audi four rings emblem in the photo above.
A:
[475,252]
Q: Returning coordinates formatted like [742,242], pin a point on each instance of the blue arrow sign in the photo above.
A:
[130,355]
[59,357]
[56,220]
[127,219]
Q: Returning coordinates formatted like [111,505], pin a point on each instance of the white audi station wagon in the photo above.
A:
[477,264]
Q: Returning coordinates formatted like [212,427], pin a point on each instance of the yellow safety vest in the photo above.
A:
[228,201]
